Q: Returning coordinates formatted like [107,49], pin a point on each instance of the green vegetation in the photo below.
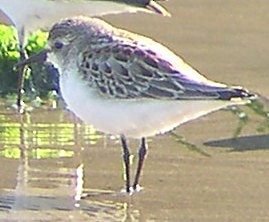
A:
[40,79]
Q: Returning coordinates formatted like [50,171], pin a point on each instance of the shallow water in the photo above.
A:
[54,168]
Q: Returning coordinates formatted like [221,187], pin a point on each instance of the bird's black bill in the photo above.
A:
[40,57]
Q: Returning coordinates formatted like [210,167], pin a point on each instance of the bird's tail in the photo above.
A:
[236,93]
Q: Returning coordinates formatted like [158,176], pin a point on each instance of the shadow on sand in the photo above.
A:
[244,143]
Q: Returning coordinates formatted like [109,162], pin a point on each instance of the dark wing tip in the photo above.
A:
[152,5]
[157,8]
[236,92]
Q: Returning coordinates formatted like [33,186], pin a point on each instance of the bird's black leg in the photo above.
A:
[141,157]
[21,69]
[126,158]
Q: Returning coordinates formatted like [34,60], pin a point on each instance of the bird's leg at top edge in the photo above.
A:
[21,69]
[141,157]
[126,159]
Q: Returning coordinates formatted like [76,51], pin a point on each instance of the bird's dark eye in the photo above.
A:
[58,45]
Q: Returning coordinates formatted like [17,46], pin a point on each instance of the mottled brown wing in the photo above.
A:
[126,71]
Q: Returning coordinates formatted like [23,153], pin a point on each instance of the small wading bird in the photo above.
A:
[129,85]
[29,15]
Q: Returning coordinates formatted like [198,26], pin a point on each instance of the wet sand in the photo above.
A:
[225,40]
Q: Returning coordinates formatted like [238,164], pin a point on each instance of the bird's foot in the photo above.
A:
[132,190]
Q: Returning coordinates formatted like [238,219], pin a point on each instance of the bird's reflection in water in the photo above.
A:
[50,174]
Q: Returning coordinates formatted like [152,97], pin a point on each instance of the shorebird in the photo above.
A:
[29,15]
[129,85]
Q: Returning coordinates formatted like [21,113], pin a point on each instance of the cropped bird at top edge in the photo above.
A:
[29,15]
[129,85]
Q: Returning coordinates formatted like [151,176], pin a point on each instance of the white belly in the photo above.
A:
[133,118]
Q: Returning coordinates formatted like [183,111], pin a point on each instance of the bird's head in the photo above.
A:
[69,37]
